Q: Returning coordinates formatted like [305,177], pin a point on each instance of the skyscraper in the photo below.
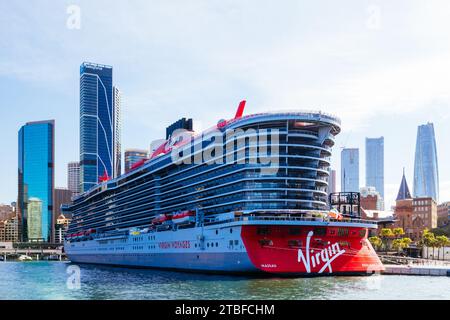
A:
[36,178]
[73,177]
[350,170]
[99,125]
[375,164]
[133,156]
[117,102]
[426,174]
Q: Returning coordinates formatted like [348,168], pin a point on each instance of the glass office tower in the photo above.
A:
[426,173]
[99,125]
[375,164]
[133,156]
[350,170]
[36,178]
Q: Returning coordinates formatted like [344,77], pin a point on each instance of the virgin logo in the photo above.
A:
[323,258]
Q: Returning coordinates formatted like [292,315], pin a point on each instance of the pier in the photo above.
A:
[417,270]
[35,251]
[415,267]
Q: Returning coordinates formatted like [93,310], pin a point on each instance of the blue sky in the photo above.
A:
[382,66]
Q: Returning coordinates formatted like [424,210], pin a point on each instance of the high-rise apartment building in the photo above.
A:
[36,179]
[99,125]
[426,173]
[350,170]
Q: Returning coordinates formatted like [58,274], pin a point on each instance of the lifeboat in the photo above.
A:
[184,217]
[334,214]
[161,219]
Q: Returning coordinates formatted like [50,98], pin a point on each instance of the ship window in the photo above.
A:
[207,244]
[217,244]
[217,231]
[342,232]
[231,242]
[263,231]
[294,231]
[320,231]
[294,243]
[231,230]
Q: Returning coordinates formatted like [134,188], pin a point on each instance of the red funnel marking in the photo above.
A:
[240,110]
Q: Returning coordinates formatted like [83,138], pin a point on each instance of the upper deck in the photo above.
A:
[298,145]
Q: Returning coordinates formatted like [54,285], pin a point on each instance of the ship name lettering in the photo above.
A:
[175,245]
[324,257]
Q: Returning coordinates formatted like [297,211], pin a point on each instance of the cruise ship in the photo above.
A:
[248,196]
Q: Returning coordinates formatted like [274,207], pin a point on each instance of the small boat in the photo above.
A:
[334,214]
[184,217]
[161,219]
[25,257]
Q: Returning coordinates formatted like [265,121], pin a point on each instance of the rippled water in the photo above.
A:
[48,280]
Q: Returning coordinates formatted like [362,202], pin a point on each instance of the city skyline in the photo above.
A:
[192,72]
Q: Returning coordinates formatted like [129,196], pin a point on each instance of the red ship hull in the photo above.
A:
[310,250]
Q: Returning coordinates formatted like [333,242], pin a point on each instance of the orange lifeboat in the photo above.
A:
[161,219]
[334,214]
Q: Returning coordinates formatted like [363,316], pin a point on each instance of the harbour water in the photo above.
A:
[58,280]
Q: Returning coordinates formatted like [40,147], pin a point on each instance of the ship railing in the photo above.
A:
[305,218]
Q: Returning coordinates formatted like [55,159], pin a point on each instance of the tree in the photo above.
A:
[400,244]
[376,242]
[397,244]
[441,242]
[386,232]
[427,240]
[398,232]
[385,235]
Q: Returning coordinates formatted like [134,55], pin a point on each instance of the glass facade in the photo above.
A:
[36,175]
[426,173]
[99,125]
[34,221]
[375,164]
[300,181]
[133,156]
[350,170]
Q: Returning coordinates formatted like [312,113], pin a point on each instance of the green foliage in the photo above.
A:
[400,244]
[442,241]
[386,233]
[376,242]
[398,232]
